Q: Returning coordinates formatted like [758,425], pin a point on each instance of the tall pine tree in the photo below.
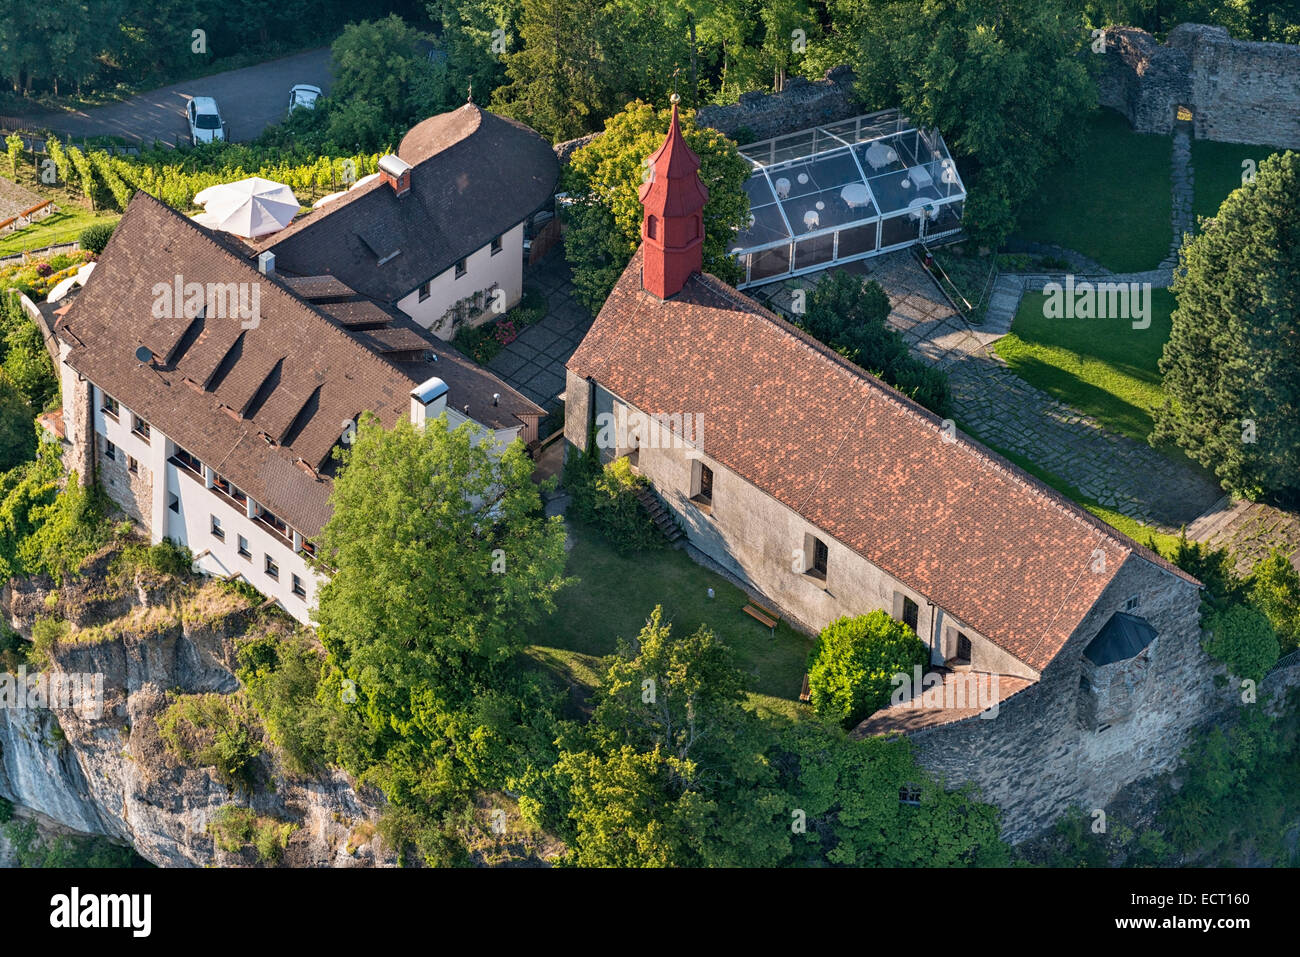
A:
[1232,364]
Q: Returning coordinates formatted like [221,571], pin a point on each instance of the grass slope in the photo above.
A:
[1102,367]
[1217,171]
[615,595]
[1111,201]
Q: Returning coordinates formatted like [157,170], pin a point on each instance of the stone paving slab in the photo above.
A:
[534,362]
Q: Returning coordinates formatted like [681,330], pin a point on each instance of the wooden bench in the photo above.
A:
[763,614]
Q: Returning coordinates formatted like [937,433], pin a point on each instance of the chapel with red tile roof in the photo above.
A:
[829,493]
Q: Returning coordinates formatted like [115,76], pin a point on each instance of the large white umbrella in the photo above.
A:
[250,208]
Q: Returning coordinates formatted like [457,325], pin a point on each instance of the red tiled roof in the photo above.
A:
[955,689]
[968,530]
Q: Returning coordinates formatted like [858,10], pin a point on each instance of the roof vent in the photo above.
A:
[396,173]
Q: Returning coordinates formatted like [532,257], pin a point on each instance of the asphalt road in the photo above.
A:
[250,99]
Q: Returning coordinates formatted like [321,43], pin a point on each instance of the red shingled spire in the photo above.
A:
[672,231]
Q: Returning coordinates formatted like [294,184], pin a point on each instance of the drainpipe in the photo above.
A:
[933,622]
[591,411]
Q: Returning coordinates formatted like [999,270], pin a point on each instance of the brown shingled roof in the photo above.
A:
[971,532]
[219,389]
[476,175]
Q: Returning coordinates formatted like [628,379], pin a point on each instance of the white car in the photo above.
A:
[304,95]
[206,125]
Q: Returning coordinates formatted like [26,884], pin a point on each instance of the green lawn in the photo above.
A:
[615,595]
[1102,367]
[65,226]
[1110,201]
[1217,171]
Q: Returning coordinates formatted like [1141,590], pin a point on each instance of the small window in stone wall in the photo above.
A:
[110,451]
[132,465]
[910,795]
[911,613]
[1132,602]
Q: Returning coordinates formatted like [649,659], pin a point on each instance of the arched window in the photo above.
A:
[652,227]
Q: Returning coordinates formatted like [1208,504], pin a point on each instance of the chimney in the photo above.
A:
[266,263]
[672,231]
[428,401]
[396,173]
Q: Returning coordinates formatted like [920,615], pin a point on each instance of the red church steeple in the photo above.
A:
[672,231]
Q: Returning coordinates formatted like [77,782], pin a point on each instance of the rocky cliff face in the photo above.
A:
[109,773]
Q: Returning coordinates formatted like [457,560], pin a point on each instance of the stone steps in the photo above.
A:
[662,518]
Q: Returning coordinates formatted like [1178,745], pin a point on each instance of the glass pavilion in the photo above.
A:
[845,191]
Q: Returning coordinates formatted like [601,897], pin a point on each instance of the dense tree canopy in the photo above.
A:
[440,554]
[674,770]
[605,215]
[849,315]
[1232,363]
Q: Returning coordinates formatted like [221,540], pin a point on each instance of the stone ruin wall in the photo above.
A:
[759,116]
[1239,91]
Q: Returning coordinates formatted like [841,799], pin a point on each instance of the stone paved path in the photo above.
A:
[1004,411]
[534,363]
[1182,179]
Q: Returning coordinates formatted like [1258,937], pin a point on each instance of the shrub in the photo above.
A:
[1275,590]
[606,498]
[849,316]
[166,558]
[1242,638]
[213,730]
[283,676]
[850,667]
[66,532]
[95,237]
[46,633]
[234,827]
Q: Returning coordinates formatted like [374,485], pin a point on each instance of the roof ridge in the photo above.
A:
[980,452]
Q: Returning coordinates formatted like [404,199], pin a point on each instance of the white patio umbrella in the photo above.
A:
[250,207]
